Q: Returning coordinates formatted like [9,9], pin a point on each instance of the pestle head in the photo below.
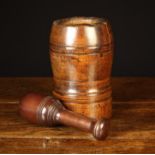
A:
[29,105]
[40,109]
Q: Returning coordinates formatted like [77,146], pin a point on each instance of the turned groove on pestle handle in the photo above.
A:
[49,111]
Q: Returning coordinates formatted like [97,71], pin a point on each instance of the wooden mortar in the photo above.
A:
[81,50]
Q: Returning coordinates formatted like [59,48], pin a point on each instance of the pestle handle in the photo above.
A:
[99,128]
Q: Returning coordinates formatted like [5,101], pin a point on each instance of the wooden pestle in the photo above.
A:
[47,110]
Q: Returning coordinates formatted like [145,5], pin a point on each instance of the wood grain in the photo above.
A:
[132,126]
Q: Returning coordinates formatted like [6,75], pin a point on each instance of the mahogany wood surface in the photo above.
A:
[132,124]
